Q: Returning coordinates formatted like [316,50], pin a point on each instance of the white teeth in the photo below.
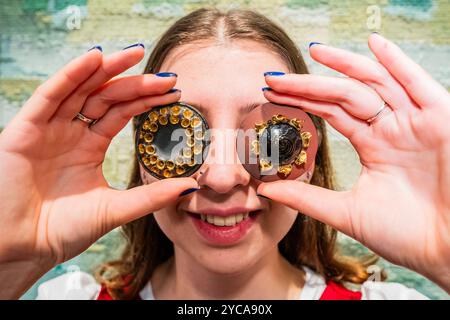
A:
[219,221]
[230,220]
[224,221]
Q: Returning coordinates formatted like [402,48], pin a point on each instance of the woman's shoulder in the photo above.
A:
[375,290]
[82,286]
[77,285]
[315,286]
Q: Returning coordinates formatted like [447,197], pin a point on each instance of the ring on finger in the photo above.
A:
[85,119]
[378,113]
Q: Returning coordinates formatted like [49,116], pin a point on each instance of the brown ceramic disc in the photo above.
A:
[171,140]
[277,142]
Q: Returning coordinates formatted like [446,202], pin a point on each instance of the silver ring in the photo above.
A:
[83,118]
[371,119]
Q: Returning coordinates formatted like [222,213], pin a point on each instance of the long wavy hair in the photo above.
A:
[308,242]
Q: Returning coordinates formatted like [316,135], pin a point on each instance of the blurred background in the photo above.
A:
[37,37]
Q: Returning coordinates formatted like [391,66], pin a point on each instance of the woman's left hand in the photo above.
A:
[400,205]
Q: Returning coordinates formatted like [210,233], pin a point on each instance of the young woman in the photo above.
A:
[55,202]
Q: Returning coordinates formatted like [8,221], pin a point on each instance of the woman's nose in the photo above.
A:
[222,171]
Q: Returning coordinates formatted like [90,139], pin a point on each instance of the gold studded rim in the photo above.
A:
[305,136]
[183,115]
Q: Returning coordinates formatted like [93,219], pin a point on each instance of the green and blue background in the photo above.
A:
[37,37]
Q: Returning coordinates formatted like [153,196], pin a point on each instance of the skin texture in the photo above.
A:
[55,202]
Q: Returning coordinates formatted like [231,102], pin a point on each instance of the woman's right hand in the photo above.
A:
[54,199]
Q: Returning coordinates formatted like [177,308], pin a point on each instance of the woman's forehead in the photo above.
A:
[222,76]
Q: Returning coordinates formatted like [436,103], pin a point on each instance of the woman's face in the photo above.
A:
[222,81]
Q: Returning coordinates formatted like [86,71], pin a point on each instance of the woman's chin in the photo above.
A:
[226,260]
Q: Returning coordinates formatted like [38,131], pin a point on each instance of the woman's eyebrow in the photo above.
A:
[204,110]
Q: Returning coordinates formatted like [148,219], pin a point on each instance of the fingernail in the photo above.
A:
[166,74]
[266,89]
[260,195]
[314,43]
[96,47]
[187,191]
[274,73]
[135,45]
[173,90]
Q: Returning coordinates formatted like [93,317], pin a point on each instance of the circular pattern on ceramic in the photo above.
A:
[288,128]
[170,140]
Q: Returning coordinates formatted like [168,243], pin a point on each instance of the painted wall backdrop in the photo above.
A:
[37,37]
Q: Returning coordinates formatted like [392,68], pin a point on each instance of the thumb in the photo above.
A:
[327,206]
[124,206]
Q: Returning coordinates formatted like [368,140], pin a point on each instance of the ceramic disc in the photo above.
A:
[171,140]
[277,142]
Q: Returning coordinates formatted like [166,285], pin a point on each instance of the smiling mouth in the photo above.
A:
[225,221]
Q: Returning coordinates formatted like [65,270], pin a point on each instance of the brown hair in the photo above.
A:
[308,242]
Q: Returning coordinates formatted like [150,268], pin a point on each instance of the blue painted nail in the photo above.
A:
[314,43]
[96,47]
[266,89]
[166,74]
[274,73]
[260,195]
[187,191]
[135,45]
[173,90]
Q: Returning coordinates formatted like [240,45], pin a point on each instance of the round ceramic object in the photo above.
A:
[277,142]
[170,140]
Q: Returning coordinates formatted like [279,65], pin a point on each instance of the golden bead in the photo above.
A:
[187,152]
[254,147]
[174,119]
[295,123]
[199,134]
[188,113]
[150,149]
[160,164]
[153,127]
[146,125]
[163,120]
[278,118]
[195,122]
[170,164]
[259,127]
[148,137]
[286,169]
[153,159]
[146,161]
[190,141]
[154,169]
[191,162]
[265,165]
[179,161]
[198,148]
[175,110]
[301,158]
[141,135]
[167,173]
[141,148]
[306,139]
[153,116]
[164,111]
[180,170]
[189,131]
[185,123]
